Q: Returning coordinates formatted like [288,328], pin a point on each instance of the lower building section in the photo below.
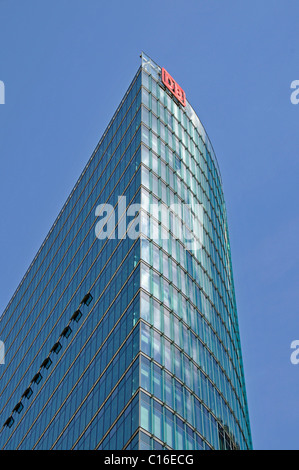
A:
[141,390]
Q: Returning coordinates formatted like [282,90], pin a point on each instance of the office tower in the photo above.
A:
[123,332]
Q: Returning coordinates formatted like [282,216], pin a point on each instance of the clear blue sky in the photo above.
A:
[66,65]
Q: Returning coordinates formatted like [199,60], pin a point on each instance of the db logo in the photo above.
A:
[172,85]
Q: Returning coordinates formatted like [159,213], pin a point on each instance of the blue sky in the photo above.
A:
[66,65]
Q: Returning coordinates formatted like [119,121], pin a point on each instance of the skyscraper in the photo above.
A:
[123,332]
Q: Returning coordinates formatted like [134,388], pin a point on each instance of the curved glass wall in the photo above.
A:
[193,391]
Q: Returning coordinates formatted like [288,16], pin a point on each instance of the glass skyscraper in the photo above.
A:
[123,333]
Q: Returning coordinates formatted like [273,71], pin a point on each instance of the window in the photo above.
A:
[169,428]
[37,378]
[145,177]
[76,316]
[157,420]
[18,408]
[145,373]
[145,339]
[28,392]
[66,332]
[157,347]
[9,422]
[145,307]
[145,412]
[56,348]
[87,299]
[168,390]
[46,363]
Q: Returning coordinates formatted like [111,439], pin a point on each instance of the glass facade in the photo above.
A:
[131,342]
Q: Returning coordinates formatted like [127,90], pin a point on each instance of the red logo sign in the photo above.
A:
[172,85]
